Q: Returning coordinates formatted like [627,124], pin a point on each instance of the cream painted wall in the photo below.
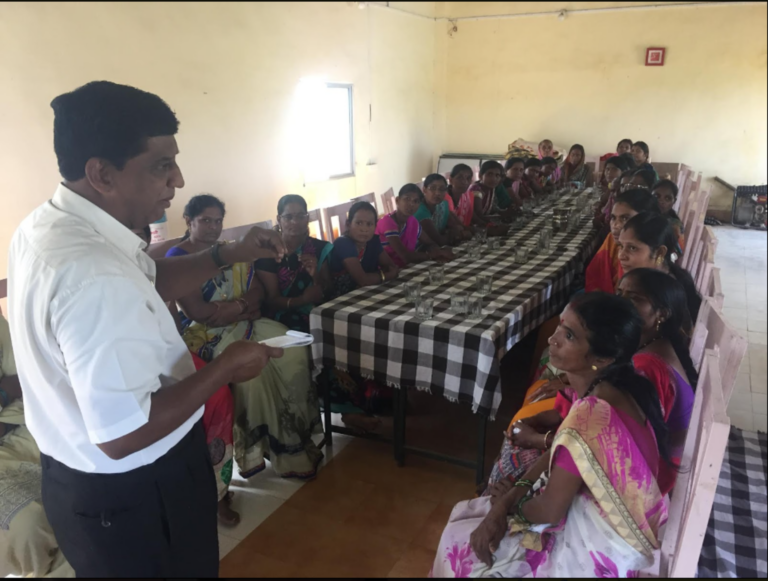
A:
[584,80]
[230,71]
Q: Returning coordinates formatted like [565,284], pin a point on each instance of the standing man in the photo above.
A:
[110,391]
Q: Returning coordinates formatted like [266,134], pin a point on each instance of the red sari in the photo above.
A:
[218,419]
[604,271]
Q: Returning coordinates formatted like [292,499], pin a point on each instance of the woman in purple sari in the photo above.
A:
[598,511]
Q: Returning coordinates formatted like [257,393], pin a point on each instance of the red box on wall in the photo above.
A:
[654,57]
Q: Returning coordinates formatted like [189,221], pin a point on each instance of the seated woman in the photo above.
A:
[514,171]
[664,355]
[436,219]
[301,280]
[548,173]
[532,175]
[401,234]
[547,151]
[358,260]
[610,182]
[28,547]
[590,516]
[604,270]
[479,203]
[663,358]
[276,413]
[575,168]
[624,146]
[648,241]
[461,179]
[665,191]
[641,152]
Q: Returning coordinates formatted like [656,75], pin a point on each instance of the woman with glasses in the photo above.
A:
[438,222]
[300,281]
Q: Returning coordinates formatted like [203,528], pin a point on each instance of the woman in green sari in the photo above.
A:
[438,222]
[276,413]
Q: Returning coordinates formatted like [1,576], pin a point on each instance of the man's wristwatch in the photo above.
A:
[217,257]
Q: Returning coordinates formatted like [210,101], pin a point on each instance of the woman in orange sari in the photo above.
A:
[604,270]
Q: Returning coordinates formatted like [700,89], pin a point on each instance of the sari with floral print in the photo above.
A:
[611,528]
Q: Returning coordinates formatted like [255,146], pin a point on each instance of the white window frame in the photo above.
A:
[349,88]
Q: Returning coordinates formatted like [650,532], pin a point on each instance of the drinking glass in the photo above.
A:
[481,236]
[484,284]
[459,302]
[494,244]
[474,251]
[412,291]
[437,274]
[424,308]
[521,255]
[545,239]
[475,307]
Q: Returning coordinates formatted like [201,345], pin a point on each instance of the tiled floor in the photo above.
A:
[742,256]
[362,517]
[365,517]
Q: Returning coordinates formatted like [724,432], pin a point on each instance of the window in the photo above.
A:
[326,126]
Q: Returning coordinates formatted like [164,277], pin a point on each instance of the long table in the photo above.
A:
[373,331]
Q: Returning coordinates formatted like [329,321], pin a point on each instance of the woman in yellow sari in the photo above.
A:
[276,413]
[598,511]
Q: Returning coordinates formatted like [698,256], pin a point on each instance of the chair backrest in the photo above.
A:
[713,332]
[682,180]
[388,200]
[694,492]
[316,228]
[697,226]
[690,193]
[706,260]
[3,288]
[370,198]
[715,291]
[335,218]
[667,168]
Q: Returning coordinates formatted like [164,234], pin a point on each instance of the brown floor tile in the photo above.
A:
[415,564]
[243,562]
[429,535]
[355,552]
[331,495]
[393,513]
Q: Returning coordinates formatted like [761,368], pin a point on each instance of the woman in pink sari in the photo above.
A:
[401,234]
[597,511]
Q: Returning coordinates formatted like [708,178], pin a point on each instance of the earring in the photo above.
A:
[659,260]
[658,324]
[594,368]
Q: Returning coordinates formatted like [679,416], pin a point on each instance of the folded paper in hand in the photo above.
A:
[290,339]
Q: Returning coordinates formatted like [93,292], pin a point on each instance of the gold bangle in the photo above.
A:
[545,440]
[288,307]
[383,278]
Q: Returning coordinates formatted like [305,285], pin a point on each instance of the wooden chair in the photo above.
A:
[694,492]
[694,231]
[666,168]
[159,249]
[704,260]
[682,179]
[316,228]
[715,290]
[714,333]
[388,200]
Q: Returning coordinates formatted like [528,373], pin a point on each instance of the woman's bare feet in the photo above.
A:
[227,516]
[361,422]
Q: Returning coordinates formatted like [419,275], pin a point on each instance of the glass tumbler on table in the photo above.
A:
[412,291]
[521,255]
[474,251]
[437,274]
[475,307]
[484,284]
[459,302]
[424,308]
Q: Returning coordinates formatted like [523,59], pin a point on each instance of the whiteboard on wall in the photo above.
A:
[446,164]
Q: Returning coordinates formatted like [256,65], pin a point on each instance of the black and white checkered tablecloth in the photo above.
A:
[736,544]
[374,332]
